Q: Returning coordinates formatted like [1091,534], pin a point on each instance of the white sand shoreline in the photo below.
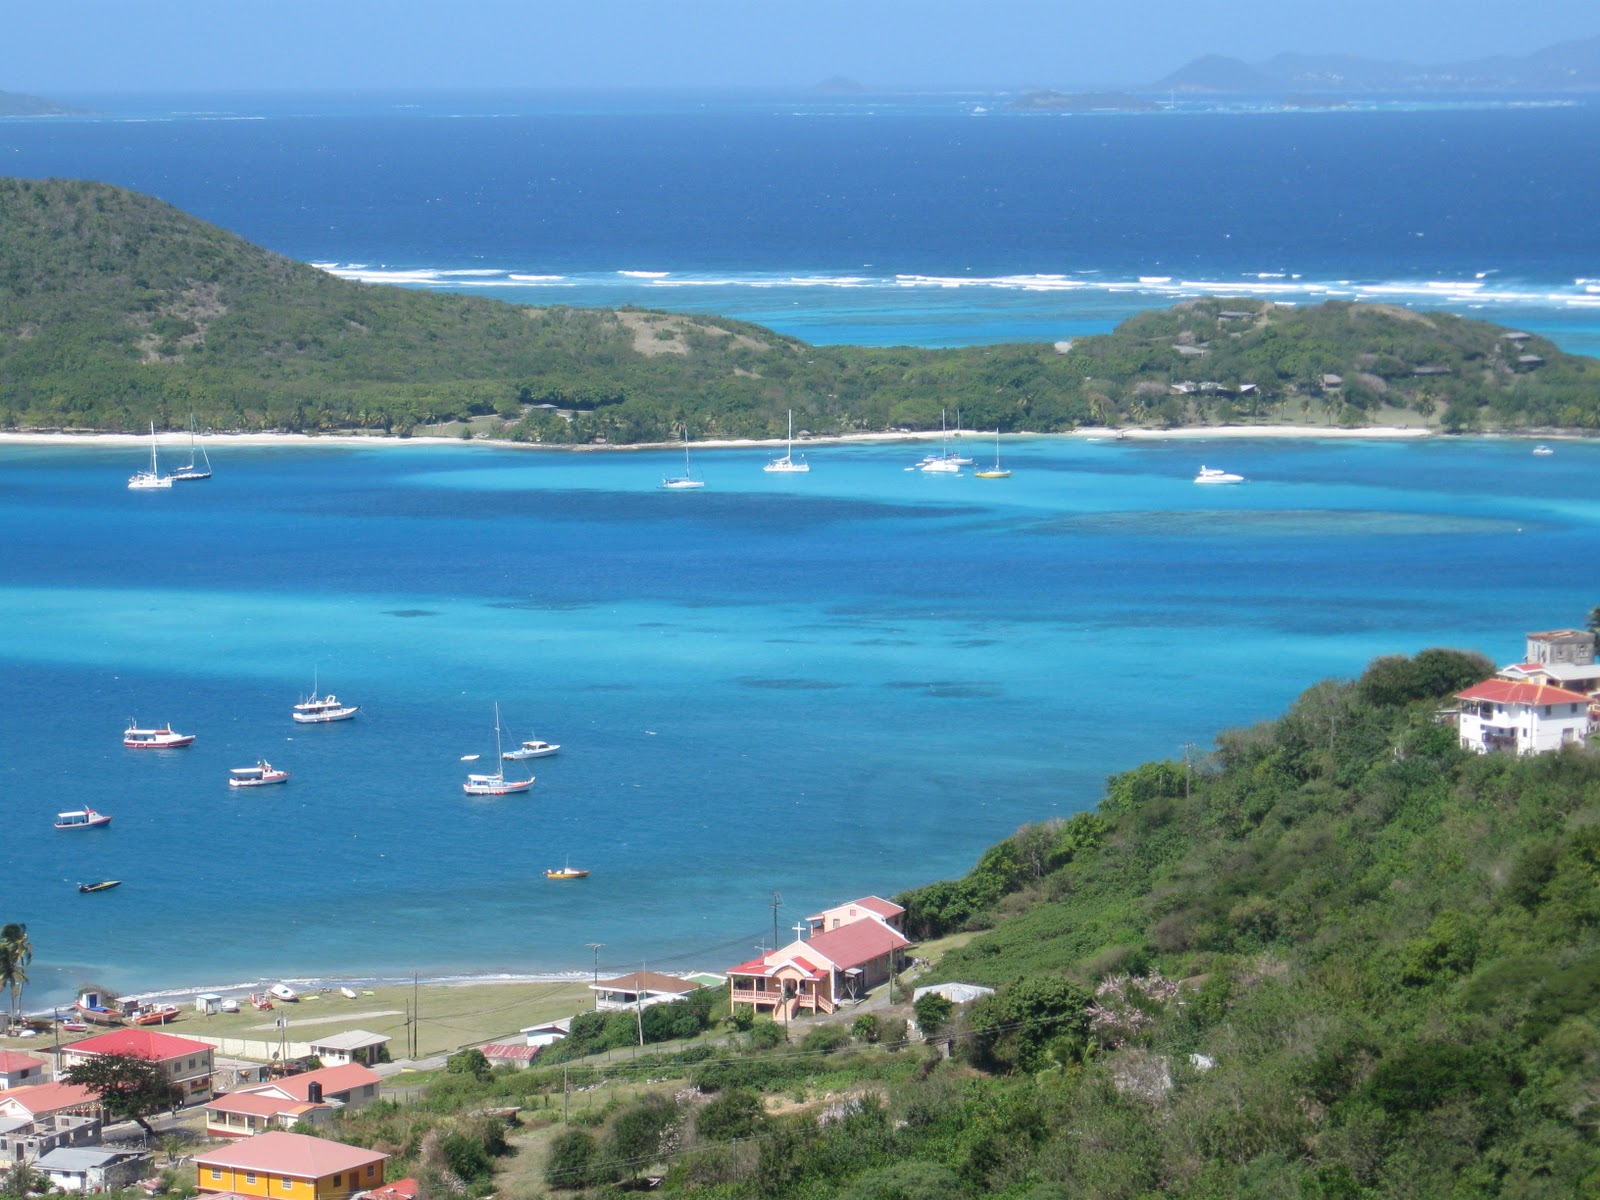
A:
[179,439]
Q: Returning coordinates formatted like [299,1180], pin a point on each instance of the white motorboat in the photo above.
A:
[496,784]
[787,465]
[532,748]
[257,776]
[82,818]
[1542,451]
[141,481]
[282,991]
[165,738]
[320,710]
[1216,475]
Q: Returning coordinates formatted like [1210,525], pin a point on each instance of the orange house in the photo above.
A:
[290,1166]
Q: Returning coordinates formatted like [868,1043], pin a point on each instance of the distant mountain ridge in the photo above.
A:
[17,104]
[1565,66]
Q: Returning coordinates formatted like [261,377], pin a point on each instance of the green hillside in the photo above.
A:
[116,309]
[1338,958]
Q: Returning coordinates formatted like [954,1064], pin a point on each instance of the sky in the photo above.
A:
[64,47]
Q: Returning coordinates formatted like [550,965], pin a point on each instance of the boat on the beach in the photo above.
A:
[229,1005]
[282,991]
[686,481]
[141,481]
[257,776]
[161,1014]
[787,465]
[260,1000]
[92,1010]
[996,471]
[105,885]
[532,748]
[82,818]
[496,784]
[68,1025]
[320,710]
[349,993]
[1217,475]
[165,738]
[191,470]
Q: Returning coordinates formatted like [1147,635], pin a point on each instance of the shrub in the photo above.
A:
[825,1039]
[765,1033]
[737,1113]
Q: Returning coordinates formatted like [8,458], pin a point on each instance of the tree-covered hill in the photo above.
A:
[116,309]
[1339,958]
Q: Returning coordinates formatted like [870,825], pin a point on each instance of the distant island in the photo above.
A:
[120,310]
[1572,66]
[1045,100]
[16,104]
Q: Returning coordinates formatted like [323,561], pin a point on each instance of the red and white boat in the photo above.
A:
[496,784]
[158,1015]
[165,738]
[257,776]
[82,818]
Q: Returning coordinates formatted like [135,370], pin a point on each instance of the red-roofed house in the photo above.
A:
[868,906]
[245,1114]
[49,1100]
[290,1166]
[400,1189]
[349,1084]
[188,1063]
[818,975]
[18,1069]
[1521,717]
[500,1054]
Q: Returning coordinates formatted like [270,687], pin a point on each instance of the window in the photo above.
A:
[371,1170]
[216,1172]
[337,1179]
[249,1176]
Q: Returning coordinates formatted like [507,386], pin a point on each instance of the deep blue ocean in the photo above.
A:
[822,686]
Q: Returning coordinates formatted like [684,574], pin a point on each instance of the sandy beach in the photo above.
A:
[179,439]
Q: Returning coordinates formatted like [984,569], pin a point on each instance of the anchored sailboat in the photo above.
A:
[191,470]
[686,481]
[787,465]
[496,784]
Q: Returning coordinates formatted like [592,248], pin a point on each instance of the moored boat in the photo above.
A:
[1542,451]
[320,710]
[141,481]
[165,738]
[496,784]
[257,776]
[532,748]
[1217,475]
[192,471]
[787,464]
[686,481]
[83,818]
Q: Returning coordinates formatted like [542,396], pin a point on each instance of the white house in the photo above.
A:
[641,989]
[18,1069]
[1521,717]
[92,1168]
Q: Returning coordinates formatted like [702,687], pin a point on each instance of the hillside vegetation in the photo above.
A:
[1340,957]
[116,309]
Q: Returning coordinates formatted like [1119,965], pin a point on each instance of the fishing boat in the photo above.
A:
[567,872]
[496,784]
[165,738]
[996,471]
[321,710]
[260,1001]
[532,748]
[161,1014]
[153,478]
[105,885]
[282,991]
[1217,475]
[191,470]
[68,1025]
[83,818]
[259,775]
[686,481]
[787,465]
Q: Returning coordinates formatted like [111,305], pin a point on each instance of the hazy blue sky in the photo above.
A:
[159,45]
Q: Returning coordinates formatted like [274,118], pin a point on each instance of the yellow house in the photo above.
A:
[290,1166]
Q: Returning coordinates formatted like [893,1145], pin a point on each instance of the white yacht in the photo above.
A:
[787,465]
[1216,475]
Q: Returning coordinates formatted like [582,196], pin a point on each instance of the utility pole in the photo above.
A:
[777,903]
[638,1006]
[595,946]
[564,1090]
[1188,767]
[416,1016]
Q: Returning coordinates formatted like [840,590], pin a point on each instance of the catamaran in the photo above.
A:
[141,481]
[787,465]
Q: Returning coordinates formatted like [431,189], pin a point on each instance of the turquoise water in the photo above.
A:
[823,685]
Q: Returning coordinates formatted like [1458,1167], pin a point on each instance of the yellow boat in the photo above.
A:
[566,873]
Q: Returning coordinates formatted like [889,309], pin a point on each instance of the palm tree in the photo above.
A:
[16,952]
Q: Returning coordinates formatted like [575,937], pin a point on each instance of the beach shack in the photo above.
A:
[289,1166]
[208,1004]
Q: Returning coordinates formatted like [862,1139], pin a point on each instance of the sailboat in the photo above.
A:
[686,481]
[153,478]
[996,471]
[496,784]
[787,465]
[193,471]
[944,462]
